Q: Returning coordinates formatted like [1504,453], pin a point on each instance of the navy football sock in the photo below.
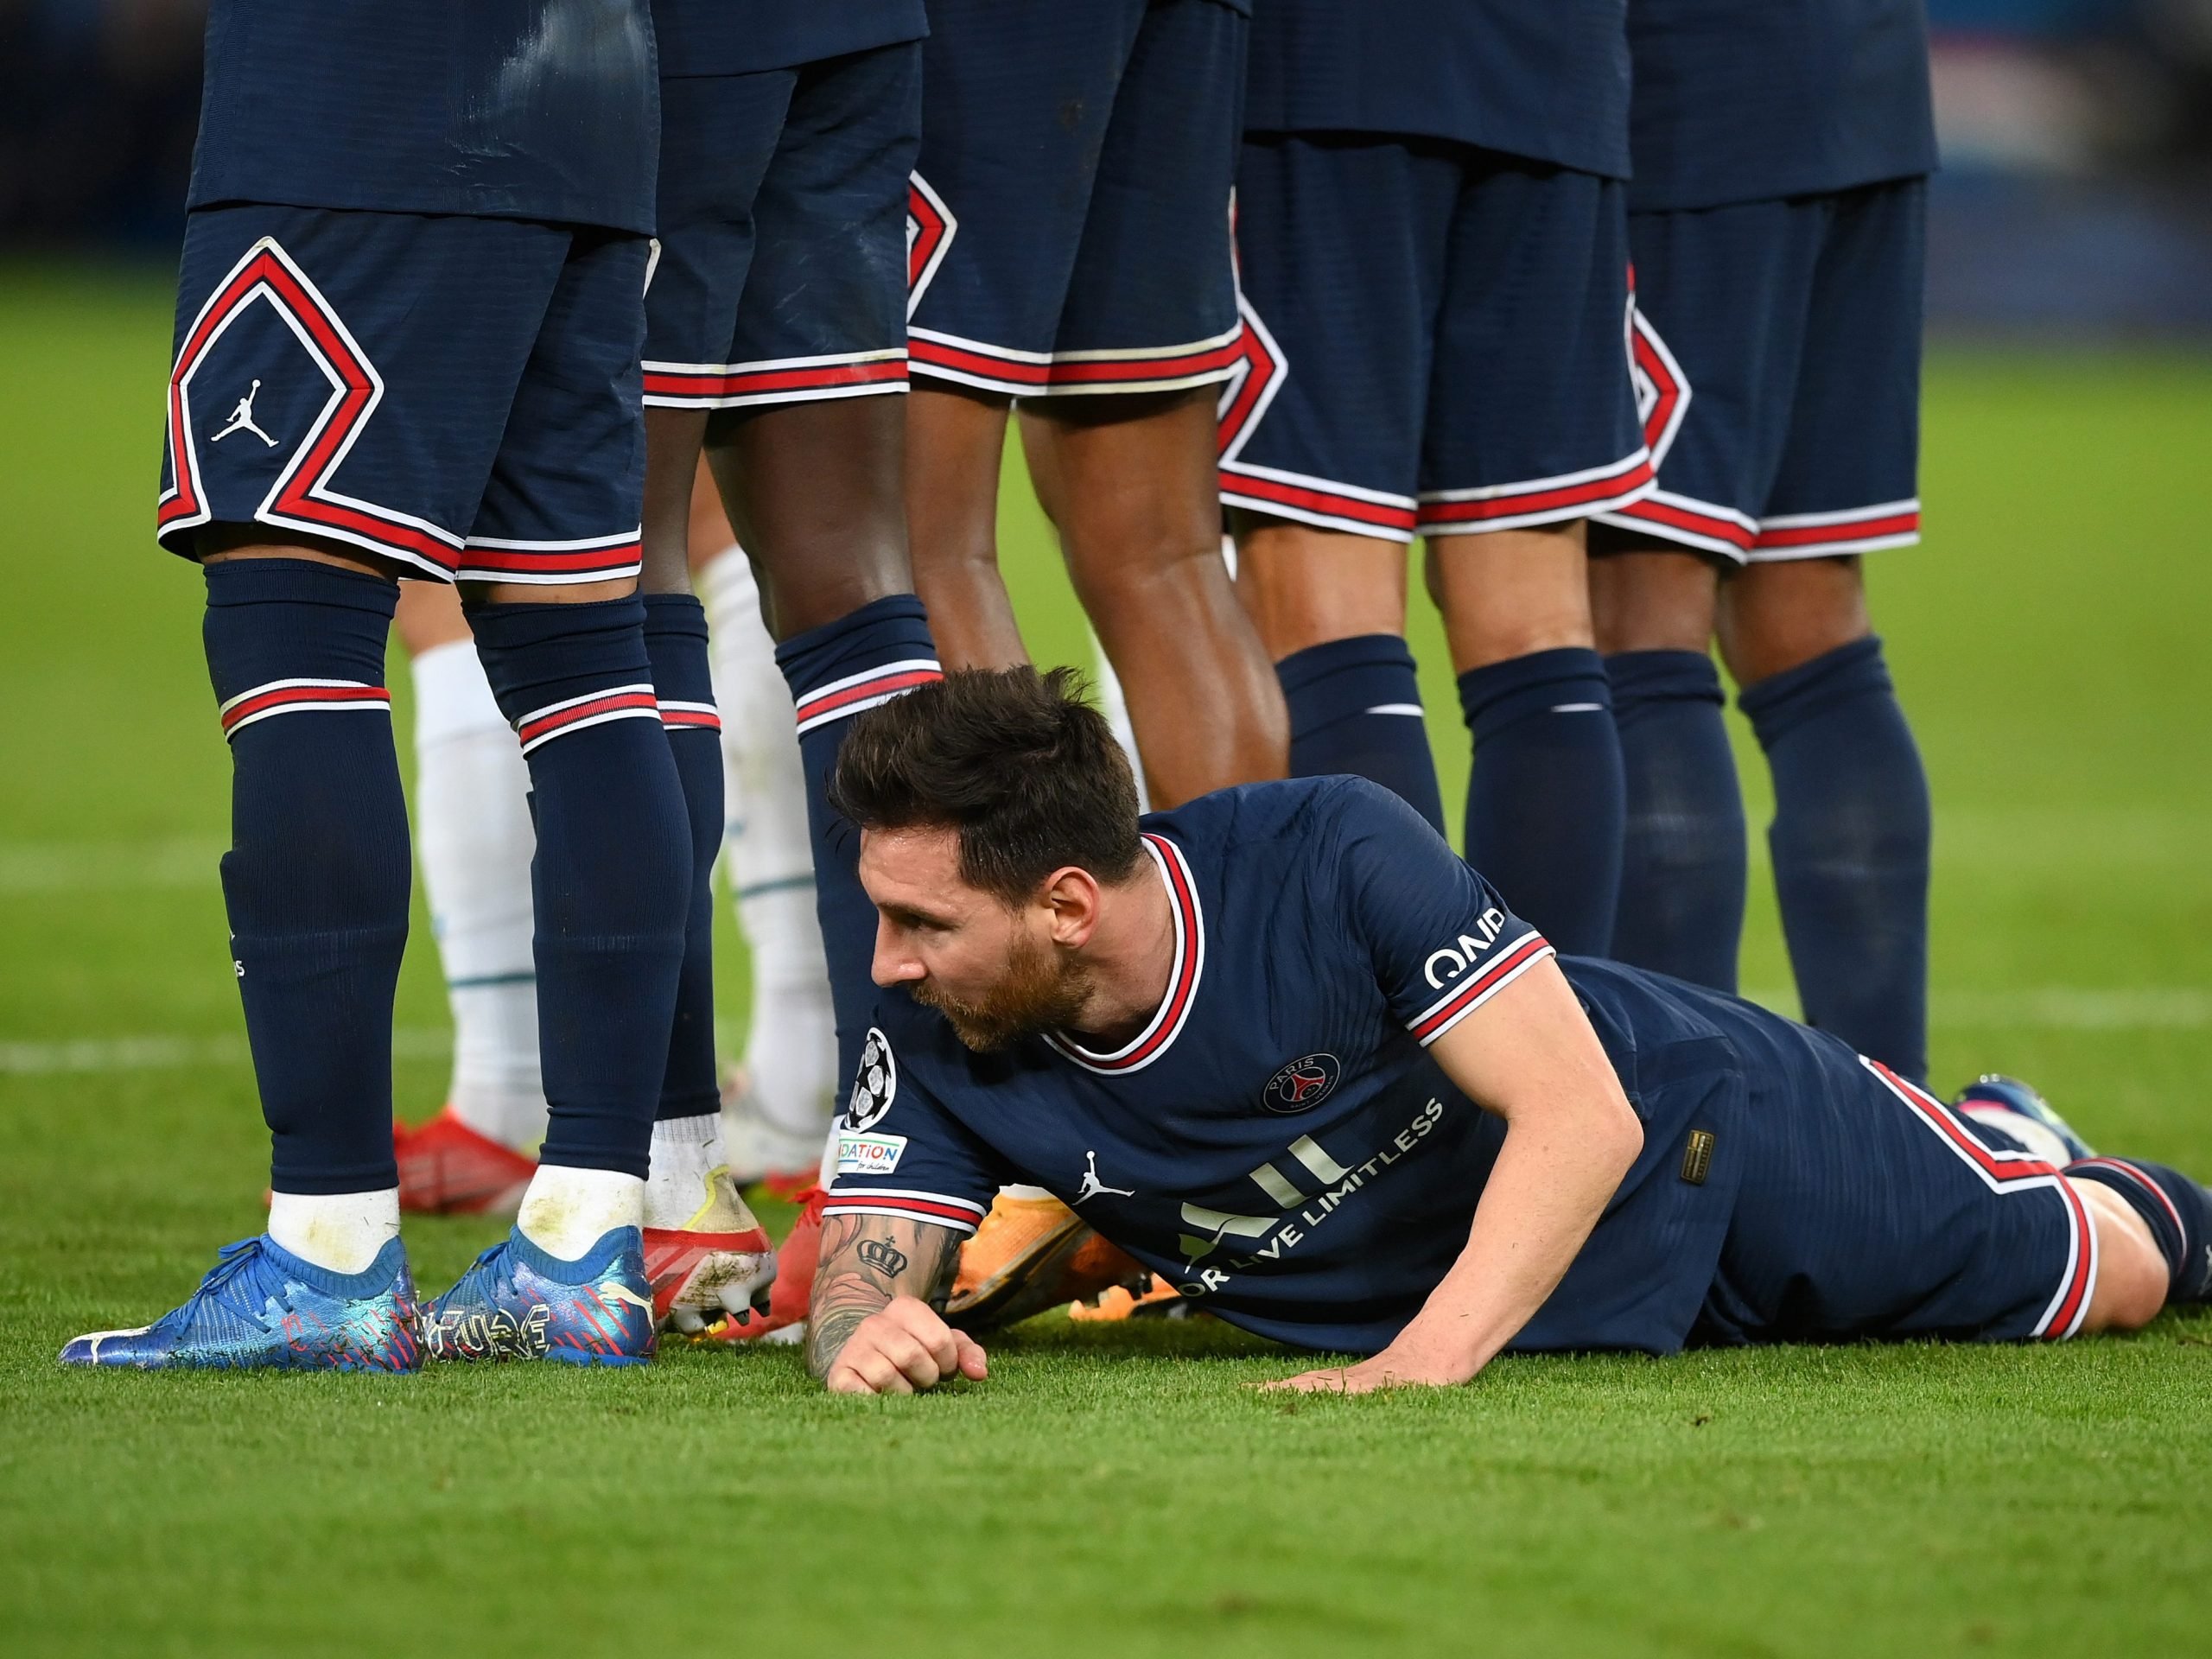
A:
[676,641]
[835,671]
[1850,841]
[1681,903]
[612,880]
[316,880]
[1545,799]
[1355,706]
[2177,1211]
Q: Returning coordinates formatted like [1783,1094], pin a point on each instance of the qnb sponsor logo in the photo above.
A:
[1211,1230]
[1449,961]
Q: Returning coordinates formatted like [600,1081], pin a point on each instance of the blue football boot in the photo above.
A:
[517,1302]
[2001,1102]
[262,1306]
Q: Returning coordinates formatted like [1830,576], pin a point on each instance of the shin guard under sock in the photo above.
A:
[676,641]
[2177,1211]
[1850,841]
[317,878]
[1355,706]
[1681,903]
[613,874]
[1544,799]
[835,671]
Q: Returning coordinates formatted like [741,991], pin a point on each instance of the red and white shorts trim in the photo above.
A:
[302,696]
[779,380]
[549,564]
[2008,1173]
[1538,501]
[594,709]
[1733,535]
[1034,374]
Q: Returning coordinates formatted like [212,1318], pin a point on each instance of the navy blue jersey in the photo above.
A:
[1544,79]
[740,37]
[1752,100]
[1277,1141]
[506,109]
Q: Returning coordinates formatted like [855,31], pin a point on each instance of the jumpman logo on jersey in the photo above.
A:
[1092,1187]
[241,420]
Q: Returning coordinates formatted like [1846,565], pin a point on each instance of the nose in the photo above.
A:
[892,965]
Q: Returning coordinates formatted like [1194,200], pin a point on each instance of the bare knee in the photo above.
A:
[1776,616]
[1303,587]
[2131,1277]
[1508,593]
[1649,596]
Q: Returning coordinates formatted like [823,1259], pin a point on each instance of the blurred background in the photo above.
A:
[2077,140]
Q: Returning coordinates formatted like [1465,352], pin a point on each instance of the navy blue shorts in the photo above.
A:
[1868,1208]
[782,270]
[459,395]
[1436,339]
[1069,214]
[1777,349]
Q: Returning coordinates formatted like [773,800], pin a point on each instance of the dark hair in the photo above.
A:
[1018,762]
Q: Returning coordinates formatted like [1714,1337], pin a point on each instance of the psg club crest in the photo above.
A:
[1302,1085]
[875,1087]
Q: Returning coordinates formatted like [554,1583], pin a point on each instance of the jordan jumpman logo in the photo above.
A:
[1093,1187]
[241,420]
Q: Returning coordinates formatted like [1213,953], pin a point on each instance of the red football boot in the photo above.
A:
[785,1320]
[446,1168]
[718,1263]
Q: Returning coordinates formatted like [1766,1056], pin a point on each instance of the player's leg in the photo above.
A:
[1140,524]
[1852,828]
[992,247]
[1682,859]
[777,1111]
[1532,428]
[550,584]
[1341,256]
[474,838]
[1123,443]
[814,484]
[299,517]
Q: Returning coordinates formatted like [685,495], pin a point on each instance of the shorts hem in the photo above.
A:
[1323,503]
[1564,497]
[1827,535]
[774,380]
[1034,374]
[1704,525]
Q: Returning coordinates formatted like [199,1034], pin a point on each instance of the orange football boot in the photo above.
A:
[718,1262]
[1028,1256]
[786,1318]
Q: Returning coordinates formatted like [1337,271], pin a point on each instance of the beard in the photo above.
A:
[1039,993]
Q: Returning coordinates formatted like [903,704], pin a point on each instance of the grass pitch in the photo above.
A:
[1117,1491]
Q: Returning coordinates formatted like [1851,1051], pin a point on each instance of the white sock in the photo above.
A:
[791,1048]
[473,829]
[686,1151]
[566,1210]
[338,1231]
[1114,705]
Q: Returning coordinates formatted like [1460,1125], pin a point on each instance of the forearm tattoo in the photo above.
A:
[866,1261]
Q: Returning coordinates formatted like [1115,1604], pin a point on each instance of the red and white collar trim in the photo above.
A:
[1174,1010]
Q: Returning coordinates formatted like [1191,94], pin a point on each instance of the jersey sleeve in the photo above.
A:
[1442,940]
[898,1151]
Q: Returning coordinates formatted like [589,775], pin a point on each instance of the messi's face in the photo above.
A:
[996,971]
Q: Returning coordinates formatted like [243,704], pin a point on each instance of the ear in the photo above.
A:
[1072,896]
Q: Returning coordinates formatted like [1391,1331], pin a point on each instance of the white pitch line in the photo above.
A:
[2048,1007]
[91,1054]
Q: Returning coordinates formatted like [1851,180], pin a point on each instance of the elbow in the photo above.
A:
[1624,1135]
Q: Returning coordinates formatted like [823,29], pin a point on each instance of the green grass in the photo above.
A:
[1120,1492]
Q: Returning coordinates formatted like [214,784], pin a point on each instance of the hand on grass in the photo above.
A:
[905,1348]
[1388,1369]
